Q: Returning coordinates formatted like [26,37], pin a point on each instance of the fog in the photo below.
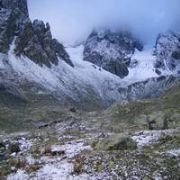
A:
[72,20]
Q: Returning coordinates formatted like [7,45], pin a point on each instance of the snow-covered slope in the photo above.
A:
[144,68]
[86,81]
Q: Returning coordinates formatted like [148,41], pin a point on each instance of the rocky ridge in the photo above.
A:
[32,39]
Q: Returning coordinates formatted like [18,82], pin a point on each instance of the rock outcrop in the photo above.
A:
[111,50]
[167,52]
[36,42]
[15,4]
[33,39]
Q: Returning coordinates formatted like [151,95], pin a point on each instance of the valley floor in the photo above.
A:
[139,140]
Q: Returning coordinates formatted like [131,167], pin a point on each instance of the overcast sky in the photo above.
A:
[72,20]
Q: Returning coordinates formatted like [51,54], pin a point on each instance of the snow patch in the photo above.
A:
[150,137]
[20,175]
[145,67]
[146,138]
[174,152]
[61,170]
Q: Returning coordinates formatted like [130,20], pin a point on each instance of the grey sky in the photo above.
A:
[72,20]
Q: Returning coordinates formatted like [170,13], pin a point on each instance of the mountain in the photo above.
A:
[108,67]
[111,50]
[31,39]
[108,108]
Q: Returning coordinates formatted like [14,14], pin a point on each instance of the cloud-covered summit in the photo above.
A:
[73,20]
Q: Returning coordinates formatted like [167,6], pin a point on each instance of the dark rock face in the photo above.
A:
[111,51]
[9,27]
[176,54]
[118,68]
[13,4]
[167,51]
[33,39]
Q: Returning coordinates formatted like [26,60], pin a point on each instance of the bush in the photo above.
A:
[125,143]
[14,148]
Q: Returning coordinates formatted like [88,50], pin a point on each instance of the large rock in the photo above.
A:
[111,50]
[167,52]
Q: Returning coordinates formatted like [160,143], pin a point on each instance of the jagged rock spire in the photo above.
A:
[33,39]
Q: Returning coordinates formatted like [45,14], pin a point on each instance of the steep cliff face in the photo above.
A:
[33,39]
[167,52]
[111,51]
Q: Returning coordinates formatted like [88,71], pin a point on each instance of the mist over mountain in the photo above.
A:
[72,21]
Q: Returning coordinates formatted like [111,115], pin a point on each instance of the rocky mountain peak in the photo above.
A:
[111,50]
[32,39]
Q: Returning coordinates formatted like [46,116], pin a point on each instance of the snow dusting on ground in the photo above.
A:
[146,138]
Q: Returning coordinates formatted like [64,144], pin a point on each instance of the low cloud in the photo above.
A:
[72,20]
